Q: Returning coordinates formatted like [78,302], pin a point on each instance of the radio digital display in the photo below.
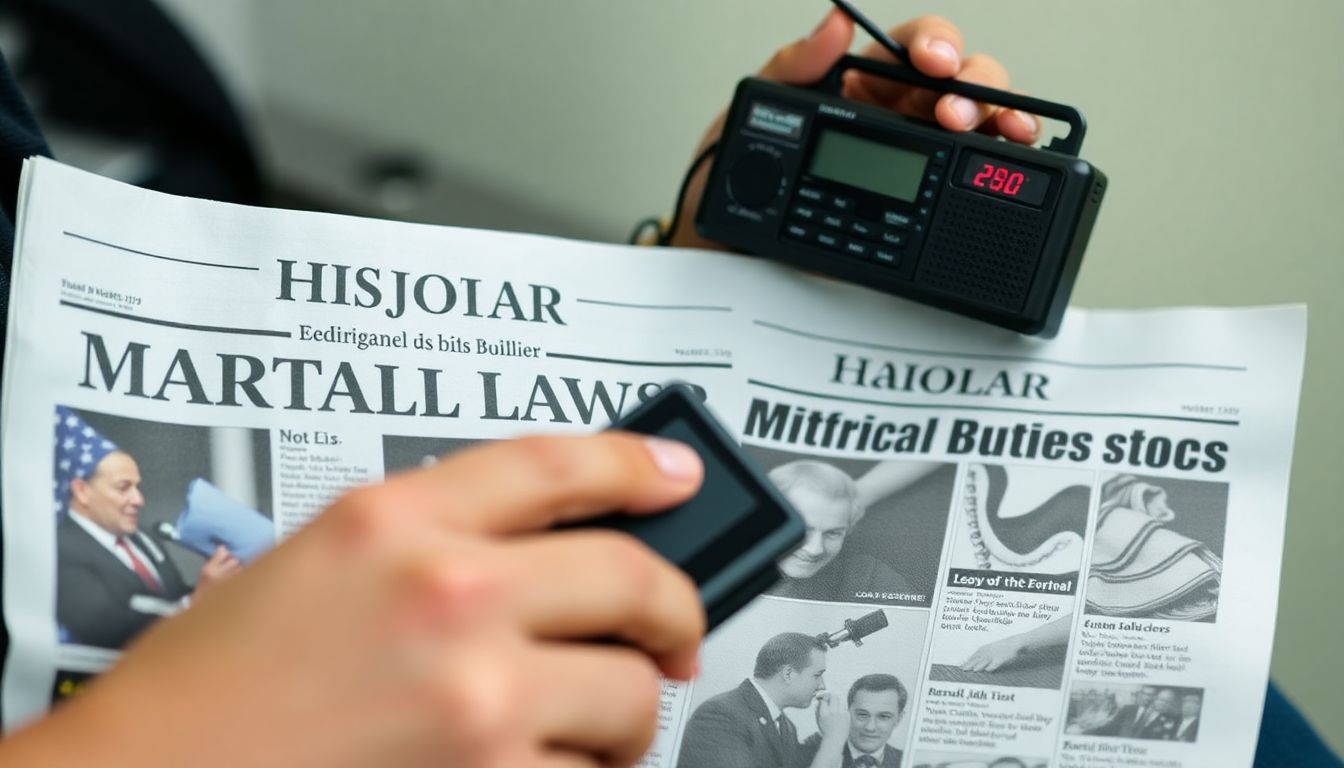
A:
[1014,182]
[869,165]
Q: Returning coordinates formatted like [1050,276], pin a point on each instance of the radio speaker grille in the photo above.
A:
[983,250]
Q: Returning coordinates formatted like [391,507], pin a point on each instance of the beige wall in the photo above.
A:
[1219,124]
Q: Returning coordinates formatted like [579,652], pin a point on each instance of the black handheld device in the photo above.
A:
[982,227]
[729,535]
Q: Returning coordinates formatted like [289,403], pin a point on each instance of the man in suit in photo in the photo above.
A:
[876,705]
[1161,724]
[747,726]
[1187,728]
[1130,720]
[112,579]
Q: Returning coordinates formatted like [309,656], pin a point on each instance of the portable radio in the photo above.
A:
[979,226]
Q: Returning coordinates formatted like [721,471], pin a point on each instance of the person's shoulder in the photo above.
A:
[72,536]
[731,700]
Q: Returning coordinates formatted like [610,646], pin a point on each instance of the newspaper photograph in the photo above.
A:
[1019,551]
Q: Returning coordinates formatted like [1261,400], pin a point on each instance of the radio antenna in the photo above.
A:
[883,39]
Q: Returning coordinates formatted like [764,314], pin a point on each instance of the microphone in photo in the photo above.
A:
[856,629]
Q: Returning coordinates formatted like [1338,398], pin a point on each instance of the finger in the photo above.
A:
[959,113]
[600,700]
[934,44]
[935,47]
[583,584]
[565,758]
[1016,125]
[535,482]
[972,664]
[806,60]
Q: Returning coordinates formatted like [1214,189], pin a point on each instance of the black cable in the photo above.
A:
[637,233]
[665,235]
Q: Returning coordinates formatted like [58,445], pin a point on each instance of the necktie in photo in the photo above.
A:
[139,567]
[788,735]
[865,761]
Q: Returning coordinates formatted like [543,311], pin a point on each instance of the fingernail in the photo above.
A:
[967,111]
[675,460]
[944,50]
[1029,120]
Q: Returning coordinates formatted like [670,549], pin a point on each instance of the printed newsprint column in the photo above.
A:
[1019,552]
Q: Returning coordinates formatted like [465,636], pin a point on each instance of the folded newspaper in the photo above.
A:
[1020,552]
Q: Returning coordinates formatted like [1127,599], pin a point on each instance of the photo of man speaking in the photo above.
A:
[747,727]
[113,576]
[876,705]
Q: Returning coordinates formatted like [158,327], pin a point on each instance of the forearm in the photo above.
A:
[83,731]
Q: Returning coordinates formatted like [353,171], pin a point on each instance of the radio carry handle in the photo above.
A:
[1067,145]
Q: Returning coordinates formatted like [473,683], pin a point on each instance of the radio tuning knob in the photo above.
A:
[755,179]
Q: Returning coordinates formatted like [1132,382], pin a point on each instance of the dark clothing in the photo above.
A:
[19,138]
[1188,733]
[94,589]
[848,578]
[891,757]
[1158,728]
[1126,723]
[734,730]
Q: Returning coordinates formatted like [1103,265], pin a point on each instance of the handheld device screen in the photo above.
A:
[869,165]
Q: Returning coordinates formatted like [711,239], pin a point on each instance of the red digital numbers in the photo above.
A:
[999,179]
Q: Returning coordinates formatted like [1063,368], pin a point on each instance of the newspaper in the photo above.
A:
[1020,552]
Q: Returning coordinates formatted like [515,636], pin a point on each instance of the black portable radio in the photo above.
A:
[982,227]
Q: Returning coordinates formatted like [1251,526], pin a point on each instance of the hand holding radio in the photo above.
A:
[936,49]
[960,220]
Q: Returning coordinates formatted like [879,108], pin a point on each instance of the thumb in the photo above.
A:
[806,60]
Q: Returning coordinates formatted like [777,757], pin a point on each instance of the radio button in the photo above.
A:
[828,240]
[886,257]
[857,248]
[810,193]
[805,212]
[893,238]
[831,220]
[895,219]
[862,228]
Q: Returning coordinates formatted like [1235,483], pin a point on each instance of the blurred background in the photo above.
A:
[1220,125]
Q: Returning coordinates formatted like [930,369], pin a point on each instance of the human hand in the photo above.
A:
[429,620]
[936,49]
[991,656]
[221,565]
[832,715]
